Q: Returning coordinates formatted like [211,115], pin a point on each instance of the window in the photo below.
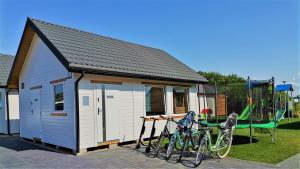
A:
[58,97]
[180,100]
[85,100]
[155,101]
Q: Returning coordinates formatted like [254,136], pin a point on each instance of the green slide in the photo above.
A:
[280,114]
[246,113]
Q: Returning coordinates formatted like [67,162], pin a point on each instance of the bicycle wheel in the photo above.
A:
[224,144]
[171,146]
[159,143]
[193,143]
[178,145]
[185,142]
[202,147]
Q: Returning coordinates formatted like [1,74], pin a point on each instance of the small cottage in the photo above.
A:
[79,90]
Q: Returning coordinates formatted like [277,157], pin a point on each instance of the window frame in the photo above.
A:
[186,101]
[54,94]
[164,100]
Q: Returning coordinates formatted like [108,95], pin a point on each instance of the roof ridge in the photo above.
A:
[66,27]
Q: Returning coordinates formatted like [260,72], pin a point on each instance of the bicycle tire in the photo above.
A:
[228,145]
[171,146]
[183,148]
[195,140]
[200,152]
[160,140]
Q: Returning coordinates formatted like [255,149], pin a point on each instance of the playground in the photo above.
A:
[268,110]
[262,150]
[266,127]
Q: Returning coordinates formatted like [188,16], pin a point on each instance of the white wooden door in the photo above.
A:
[112,106]
[36,112]
[99,112]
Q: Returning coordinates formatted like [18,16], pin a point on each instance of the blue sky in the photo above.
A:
[257,38]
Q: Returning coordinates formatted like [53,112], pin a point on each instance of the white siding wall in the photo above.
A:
[139,107]
[13,101]
[126,112]
[193,99]
[169,100]
[202,102]
[87,115]
[13,98]
[131,106]
[41,67]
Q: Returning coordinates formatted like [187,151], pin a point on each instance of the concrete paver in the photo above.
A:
[17,154]
[291,163]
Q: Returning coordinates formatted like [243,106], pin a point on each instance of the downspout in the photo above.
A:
[77,111]
[7,112]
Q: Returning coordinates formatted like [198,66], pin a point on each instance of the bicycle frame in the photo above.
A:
[216,147]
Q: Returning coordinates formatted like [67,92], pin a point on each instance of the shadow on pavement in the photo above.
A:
[187,160]
[14,143]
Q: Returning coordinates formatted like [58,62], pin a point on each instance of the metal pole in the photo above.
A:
[273,108]
[250,103]
[286,102]
[292,102]
[280,100]
[286,105]
[216,97]
[226,113]
[260,104]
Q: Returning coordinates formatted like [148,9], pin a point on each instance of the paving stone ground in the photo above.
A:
[17,154]
[291,163]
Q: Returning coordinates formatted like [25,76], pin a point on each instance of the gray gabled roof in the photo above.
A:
[81,50]
[6,62]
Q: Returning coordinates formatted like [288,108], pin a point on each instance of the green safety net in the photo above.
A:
[269,125]
[243,126]
[279,116]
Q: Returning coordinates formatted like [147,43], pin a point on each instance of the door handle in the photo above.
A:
[99,111]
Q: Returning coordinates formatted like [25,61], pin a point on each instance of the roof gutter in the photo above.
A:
[77,111]
[132,75]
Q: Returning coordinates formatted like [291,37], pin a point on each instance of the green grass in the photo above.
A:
[262,150]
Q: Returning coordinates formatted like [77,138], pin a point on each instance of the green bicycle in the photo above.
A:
[223,143]
[177,139]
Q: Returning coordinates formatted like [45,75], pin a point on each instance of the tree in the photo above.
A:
[220,79]
[232,86]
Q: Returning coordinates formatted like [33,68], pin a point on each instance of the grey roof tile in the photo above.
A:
[87,50]
[6,62]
